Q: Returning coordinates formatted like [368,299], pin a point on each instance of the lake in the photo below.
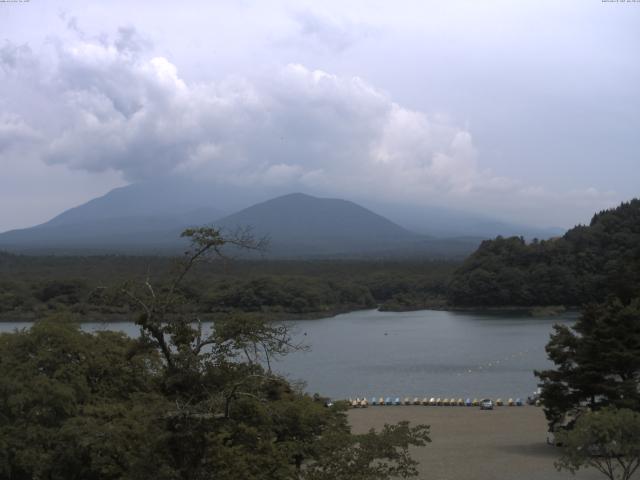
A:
[424,353]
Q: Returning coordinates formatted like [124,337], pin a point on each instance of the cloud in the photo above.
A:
[113,106]
[14,132]
[325,33]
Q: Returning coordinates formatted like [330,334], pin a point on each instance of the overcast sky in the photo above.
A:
[528,111]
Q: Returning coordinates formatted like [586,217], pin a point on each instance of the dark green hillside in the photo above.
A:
[587,264]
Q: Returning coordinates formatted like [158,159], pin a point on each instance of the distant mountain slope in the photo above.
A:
[148,217]
[586,264]
[157,199]
[447,222]
[135,234]
[297,223]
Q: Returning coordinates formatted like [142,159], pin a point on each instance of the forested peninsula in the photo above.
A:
[587,264]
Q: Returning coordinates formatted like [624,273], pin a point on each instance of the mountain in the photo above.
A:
[448,222]
[299,224]
[148,217]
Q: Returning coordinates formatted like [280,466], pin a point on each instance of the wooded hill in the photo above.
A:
[587,264]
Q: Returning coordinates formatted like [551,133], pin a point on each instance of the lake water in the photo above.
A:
[424,353]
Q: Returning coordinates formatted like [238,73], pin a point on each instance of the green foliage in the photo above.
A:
[369,456]
[597,361]
[178,402]
[585,265]
[33,286]
[607,440]
[74,405]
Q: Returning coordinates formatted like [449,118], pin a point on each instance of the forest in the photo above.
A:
[31,286]
[587,264]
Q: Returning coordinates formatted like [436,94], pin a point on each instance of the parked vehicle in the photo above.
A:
[535,398]
[486,404]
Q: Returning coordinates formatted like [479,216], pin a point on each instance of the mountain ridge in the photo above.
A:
[148,218]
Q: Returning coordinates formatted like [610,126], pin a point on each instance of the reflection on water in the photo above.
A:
[425,353]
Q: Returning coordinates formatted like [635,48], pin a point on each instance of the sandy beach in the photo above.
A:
[470,444]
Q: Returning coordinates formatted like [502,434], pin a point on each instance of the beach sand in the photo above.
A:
[471,444]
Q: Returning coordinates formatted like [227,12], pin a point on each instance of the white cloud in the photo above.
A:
[114,107]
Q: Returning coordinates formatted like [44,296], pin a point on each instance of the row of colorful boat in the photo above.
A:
[448,402]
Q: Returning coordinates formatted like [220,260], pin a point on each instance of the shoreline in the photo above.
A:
[533,311]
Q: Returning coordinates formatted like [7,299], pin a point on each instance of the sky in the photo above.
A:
[527,111]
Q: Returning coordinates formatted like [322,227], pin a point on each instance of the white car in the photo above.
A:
[486,404]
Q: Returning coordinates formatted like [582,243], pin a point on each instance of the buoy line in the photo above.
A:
[493,363]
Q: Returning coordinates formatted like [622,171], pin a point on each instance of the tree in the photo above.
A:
[233,416]
[178,402]
[75,405]
[597,361]
[607,440]
[586,264]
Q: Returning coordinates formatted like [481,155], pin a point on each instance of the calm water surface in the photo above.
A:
[424,353]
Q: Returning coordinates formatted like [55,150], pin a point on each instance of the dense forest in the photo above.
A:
[587,264]
[33,286]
